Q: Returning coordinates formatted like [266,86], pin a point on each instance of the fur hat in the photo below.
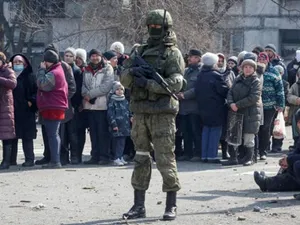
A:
[71,50]
[117,47]
[51,56]
[109,54]
[81,53]
[233,59]
[117,85]
[94,51]
[249,62]
[271,47]
[210,59]
[280,69]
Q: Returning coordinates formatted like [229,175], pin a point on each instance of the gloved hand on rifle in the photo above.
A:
[140,70]
[140,81]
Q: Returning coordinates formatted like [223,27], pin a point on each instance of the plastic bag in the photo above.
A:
[234,128]
[279,131]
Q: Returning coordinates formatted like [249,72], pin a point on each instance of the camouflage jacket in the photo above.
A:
[153,99]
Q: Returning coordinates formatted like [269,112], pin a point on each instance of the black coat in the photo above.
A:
[292,70]
[77,98]
[246,94]
[211,91]
[25,92]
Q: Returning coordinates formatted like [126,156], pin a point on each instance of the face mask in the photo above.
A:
[155,33]
[18,68]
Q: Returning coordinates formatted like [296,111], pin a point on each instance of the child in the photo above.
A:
[119,122]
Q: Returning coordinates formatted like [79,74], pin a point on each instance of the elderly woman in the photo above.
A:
[211,91]
[245,98]
[24,109]
[7,125]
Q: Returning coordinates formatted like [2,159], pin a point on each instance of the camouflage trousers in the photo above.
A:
[154,132]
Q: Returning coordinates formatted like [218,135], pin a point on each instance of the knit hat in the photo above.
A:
[109,54]
[53,47]
[249,62]
[81,53]
[233,59]
[71,50]
[279,68]
[117,47]
[298,55]
[257,50]
[195,52]
[117,85]
[250,55]
[241,57]
[209,59]
[51,56]
[263,55]
[2,57]
[94,51]
[271,47]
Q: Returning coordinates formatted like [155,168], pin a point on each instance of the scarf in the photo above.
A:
[117,97]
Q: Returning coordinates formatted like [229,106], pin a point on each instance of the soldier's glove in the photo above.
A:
[139,71]
[140,81]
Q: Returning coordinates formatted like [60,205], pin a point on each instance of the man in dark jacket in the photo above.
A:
[69,112]
[289,177]
[211,91]
[188,110]
[275,59]
[293,69]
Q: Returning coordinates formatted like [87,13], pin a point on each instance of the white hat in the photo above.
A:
[81,53]
[209,59]
[71,50]
[117,47]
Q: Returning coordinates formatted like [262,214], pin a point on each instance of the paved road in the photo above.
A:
[78,195]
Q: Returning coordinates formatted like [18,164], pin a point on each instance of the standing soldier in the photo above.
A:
[154,111]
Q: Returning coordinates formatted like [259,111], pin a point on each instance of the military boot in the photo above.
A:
[6,157]
[233,157]
[138,209]
[171,208]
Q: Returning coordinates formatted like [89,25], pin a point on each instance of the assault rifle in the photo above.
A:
[150,73]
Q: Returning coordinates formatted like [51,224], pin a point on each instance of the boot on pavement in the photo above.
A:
[171,208]
[6,157]
[233,157]
[138,209]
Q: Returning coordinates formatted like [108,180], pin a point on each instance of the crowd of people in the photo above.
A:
[82,92]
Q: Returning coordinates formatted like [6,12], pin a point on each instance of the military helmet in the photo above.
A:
[157,16]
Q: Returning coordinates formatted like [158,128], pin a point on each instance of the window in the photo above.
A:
[290,42]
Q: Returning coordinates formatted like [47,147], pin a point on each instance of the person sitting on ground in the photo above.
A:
[289,178]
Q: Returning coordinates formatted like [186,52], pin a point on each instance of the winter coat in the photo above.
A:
[278,61]
[25,92]
[211,92]
[7,84]
[52,88]
[246,94]
[189,104]
[272,93]
[228,77]
[293,69]
[118,116]
[77,98]
[68,71]
[97,84]
[293,95]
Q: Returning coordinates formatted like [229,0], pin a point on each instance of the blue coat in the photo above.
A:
[211,92]
[119,116]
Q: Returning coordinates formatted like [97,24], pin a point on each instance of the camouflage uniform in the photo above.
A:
[154,110]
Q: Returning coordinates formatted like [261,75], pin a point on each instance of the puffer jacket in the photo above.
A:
[7,83]
[97,85]
[246,94]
